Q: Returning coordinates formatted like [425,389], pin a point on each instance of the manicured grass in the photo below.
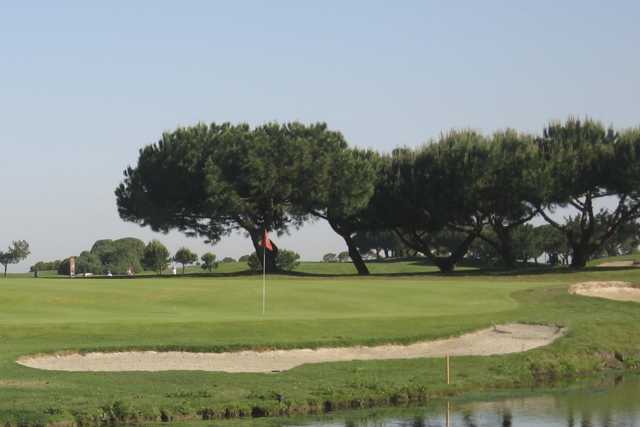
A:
[221,312]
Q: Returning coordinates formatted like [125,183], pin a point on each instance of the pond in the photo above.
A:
[613,402]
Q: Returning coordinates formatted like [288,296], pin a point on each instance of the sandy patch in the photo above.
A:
[502,339]
[619,264]
[619,291]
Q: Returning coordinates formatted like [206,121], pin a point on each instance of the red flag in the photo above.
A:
[265,242]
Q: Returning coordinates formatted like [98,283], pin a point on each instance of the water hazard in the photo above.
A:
[611,403]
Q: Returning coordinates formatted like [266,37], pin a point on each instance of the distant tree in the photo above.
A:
[330,257]
[209,262]
[343,256]
[45,266]
[117,256]
[16,252]
[379,241]
[343,201]
[430,196]
[210,181]
[244,258]
[285,261]
[484,252]
[156,256]
[582,163]
[554,243]
[505,187]
[624,241]
[527,243]
[64,267]
[87,262]
[185,257]
[228,259]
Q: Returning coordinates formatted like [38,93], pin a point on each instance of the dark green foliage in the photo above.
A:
[228,259]
[431,198]
[212,180]
[45,266]
[156,256]
[344,201]
[185,257]
[285,261]
[384,241]
[16,252]
[582,163]
[506,188]
[244,258]
[527,244]
[209,262]
[117,256]
[88,262]
[64,267]
[624,241]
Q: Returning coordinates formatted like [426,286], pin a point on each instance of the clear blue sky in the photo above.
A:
[84,86]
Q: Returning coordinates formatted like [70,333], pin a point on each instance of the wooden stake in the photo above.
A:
[448,369]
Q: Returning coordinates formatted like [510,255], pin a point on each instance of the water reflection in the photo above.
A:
[610,404]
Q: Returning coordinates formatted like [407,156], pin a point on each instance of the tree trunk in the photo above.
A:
[5,271]
[579,256]
[506,248]
[354,254]
[444,264]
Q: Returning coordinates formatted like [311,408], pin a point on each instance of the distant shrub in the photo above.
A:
[285,260]
[209,262]
[156,256]
[329,257]
[45,266]
[228,259]
[244,258]
[344,257]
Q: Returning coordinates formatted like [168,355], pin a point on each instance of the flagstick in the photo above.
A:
[264,278]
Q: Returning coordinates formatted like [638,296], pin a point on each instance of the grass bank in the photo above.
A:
[221,313]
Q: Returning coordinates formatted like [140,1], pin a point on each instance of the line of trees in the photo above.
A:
[444,199]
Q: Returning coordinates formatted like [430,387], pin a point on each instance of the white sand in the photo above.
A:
[619,291]
[502,339]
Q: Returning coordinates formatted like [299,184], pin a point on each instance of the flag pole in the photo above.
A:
[264,278]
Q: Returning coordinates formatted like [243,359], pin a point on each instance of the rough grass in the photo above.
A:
[219,313]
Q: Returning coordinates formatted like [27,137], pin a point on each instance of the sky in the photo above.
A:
[85,85]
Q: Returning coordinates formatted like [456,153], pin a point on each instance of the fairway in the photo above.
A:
[222,313]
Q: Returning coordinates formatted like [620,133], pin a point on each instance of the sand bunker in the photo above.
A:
[619,264]
[619,291]
[503,339]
